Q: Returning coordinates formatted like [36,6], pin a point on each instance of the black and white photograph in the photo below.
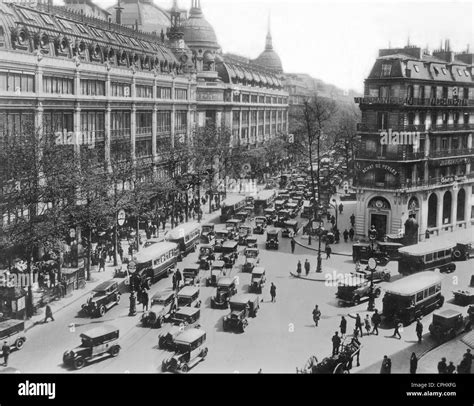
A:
[237,187]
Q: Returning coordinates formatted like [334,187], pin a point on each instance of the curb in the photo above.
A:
[307,278]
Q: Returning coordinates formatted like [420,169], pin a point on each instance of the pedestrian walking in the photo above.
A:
[353,220]
[293,245]
[298,268]
[173,278]
[442,366]
[398,327]
[307,266]
[468,356]
[358,324]
[145,300]
[345,234]
[333,220]
[328,216]
[337,236]
[450,368]
[341,208]
[178,278]
[5,353]
[427,234]
[351,234]
[419,330]
[102,264]
[273,291]
[376,320]
[316,315]
[386,367]
[336,342]
[355,333]
[120,252]
[48,314]
[367,324]
[413,363]
[328,251]
[343,326]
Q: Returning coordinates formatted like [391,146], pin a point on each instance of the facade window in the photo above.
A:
[145,92]
[181,94]
[466,118]
[433,92]
[254,98]
[445,116]
[444,143]
[245,98]
[465,93]
[120,89]
[58,85]
[236,119]
[382,120]
[181,121]
[236,97]
[92,87]
[15,123]
[445,92]
[120,124]
[268,100]
[93,122]
[245,118]
[144,123]
[57,121]
[163,122]
[411,118]
[144,148]
[455,143]
[386,69]
[17,82]
[163,93]
[434,118]
[261,99]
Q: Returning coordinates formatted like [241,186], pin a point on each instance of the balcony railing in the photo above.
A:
[413,101]
[409,184]
[452,127]
[362,127]
[143,131]
[398,156]
[451,152]
[120,133]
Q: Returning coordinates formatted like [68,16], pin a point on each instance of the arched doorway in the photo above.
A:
[379,215]
[432,210]
[461,205]
[413,207]
[447,200]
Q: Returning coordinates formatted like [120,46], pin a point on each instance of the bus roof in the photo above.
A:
[231,200]
[155,250]
[412,284]
[427,247]
[265,195]
[180,231]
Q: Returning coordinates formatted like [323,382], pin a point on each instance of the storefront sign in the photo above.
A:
[451,162]
[447,179]
[210,96]
[385,167]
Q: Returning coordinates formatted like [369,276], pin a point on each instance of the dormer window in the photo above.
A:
[444,71]
[466,73]
[47,19]
[436,70]
[459,72]
[417,70]
[386,69]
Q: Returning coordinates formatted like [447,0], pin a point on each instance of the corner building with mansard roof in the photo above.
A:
[416,157]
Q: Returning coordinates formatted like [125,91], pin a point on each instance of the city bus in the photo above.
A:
[231,206]
[426,256]
[187,236]
[264,200]
[156,261]
[412,297]
[307,211]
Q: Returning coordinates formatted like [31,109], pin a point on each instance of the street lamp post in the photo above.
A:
[335,209]
[372,265]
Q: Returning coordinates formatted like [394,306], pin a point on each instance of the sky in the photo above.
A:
[336,41]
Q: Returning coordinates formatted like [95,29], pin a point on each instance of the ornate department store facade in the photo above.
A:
[417,142]
[89,75]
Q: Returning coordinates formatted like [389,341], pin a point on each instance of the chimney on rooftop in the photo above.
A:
[118,13]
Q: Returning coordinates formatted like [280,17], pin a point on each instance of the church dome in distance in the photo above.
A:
[197,30]
[269,58]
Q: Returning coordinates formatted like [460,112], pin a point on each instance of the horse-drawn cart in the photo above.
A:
[335,364]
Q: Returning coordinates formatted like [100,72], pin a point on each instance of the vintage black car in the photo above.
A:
[232,226]
[188,297]
[229,253]
[241,307]
[104,297]
[251,242]
[191,274]
[163,304]
[100,342]
[293,208]
[208,234]
[260,225]
[463,251]
[272,239]
[270,215]
[354,291]
[217,271]
[190,350]
[448,323]
[252,258]
[465,296]
[290,229]
[283,216]
[244,232]
[221,237]
[377,275]
[12,331]
[361,252]
[206,256]
[257,282]
[181,320]
[225,290]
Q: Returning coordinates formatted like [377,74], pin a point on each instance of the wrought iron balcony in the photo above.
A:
[396,156]
[451,152]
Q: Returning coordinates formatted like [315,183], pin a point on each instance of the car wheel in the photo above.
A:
[160,343]
[114,351]
[79,363]
[19,343]
[159,322]
[377,292]
[386,277]
[457,254]
[356,300]
[117,298]
[185,368]
[101,310]
[204,352]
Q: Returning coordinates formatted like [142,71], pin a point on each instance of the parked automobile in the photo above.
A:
[293,208]
[232,226]
[226,288]
[260,225]
[283,215]
[208,234]
[242,215]
[229,253]
[252,258]
[272,239]
[217,271]
[377,275]
[251,242]
[13,332]
[361,252]
[163,304]
[448,323]
[290,229]
[241,307]
[105,296]
[189,351]
[463,251]
[465,296]
[244,232]
[221,237]
[353,292]
[191,274]
[181,320]
[206,256]
[188,297]
[270,215]
[100,342]
[257,282]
